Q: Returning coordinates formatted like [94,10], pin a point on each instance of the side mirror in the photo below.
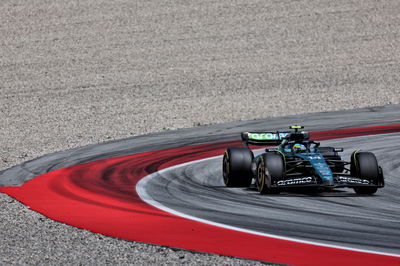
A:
[338,149]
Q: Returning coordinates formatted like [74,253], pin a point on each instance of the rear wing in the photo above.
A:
[264,138]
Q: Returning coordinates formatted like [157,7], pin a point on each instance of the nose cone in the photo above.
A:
[324,172]
[321,168]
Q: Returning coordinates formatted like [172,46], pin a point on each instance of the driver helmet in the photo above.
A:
[299,148]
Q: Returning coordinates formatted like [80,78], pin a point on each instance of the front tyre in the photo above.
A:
[236,167]
[364,165]
[270,168]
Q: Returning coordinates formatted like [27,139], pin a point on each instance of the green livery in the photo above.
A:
[298,162]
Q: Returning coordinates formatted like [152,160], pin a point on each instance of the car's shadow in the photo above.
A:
[291,193]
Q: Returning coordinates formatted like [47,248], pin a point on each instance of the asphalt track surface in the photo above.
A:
[339,218]
[380,210]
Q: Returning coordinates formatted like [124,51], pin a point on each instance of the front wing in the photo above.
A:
[311,181]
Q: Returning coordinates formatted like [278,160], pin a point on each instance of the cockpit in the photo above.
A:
[299,142]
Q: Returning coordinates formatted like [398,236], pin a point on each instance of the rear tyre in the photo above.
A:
[236,167]
[364,165]
[270,168]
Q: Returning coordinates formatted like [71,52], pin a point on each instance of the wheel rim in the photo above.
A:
[261,176]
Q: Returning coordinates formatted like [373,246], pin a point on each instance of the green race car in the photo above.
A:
[298,163]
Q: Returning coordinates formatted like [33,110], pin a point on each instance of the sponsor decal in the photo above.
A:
[316,157]
[263,136]
[267,136]
[296,181]
[352,180]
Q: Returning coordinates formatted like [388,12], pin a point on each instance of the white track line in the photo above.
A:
[141,190]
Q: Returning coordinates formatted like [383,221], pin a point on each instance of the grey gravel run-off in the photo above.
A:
[75,73]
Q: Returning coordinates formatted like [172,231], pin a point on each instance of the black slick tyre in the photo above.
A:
[364,165]
[270,168]
[236,167]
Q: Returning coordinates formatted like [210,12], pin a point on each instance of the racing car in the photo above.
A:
[297,162]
